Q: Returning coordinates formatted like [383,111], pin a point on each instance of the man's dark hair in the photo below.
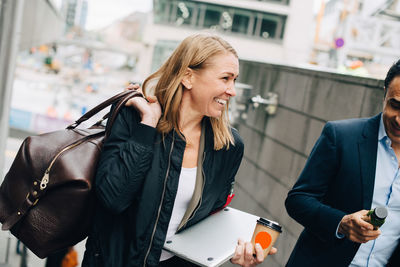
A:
[392,73]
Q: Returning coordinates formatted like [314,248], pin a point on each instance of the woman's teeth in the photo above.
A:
[221,101]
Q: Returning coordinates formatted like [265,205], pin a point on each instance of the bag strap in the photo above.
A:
[118,106]
[103,105]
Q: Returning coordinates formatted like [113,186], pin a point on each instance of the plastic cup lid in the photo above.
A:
[271,224]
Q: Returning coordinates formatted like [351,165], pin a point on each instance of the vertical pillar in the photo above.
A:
[10,32]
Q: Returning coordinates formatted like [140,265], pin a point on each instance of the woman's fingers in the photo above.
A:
[248,252]
[273,251]
[132,86]
[259,253]
[246,255]
[238,253]
[152,99]
[136,102]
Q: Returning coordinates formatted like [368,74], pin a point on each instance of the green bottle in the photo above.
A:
[377,216]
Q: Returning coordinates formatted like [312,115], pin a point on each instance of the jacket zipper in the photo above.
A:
[162,199]
[201,196]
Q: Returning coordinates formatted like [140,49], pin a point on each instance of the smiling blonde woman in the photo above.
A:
[170,160]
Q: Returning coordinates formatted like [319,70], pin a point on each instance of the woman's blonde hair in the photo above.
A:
[192,53]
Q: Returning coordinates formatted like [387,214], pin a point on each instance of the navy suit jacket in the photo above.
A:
[338,179]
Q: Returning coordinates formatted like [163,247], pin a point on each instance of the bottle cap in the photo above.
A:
[381,212]
[270,224]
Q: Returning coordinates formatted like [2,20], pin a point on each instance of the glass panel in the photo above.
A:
[279,1]
[240,23]
[223,18]
[226,23]
[212,18]
[268,28]
[162,50]
[184,14]
[161,11]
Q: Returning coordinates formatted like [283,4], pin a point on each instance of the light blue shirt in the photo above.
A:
[376,253]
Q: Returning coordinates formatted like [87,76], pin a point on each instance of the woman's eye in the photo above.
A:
[225,78]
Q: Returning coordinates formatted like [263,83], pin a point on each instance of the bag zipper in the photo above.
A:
[162,199]
[45,179]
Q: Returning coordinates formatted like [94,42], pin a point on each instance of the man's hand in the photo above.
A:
[244,254]
[356,229]
[149,108]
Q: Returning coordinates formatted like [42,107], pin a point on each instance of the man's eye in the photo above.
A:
[225,78]
[395,104]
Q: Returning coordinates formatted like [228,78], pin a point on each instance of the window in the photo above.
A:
[162,11]
[285,2]
[269,26]
[162,50]
[185,13]
[212,18]
[226,22]
[242,21]
[223,18]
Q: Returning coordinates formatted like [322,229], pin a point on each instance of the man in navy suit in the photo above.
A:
[353,167]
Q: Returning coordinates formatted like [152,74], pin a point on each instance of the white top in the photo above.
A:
[187,181]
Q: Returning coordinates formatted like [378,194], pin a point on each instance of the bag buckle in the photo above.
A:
[35,201]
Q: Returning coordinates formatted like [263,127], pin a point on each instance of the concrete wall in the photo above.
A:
[277,146]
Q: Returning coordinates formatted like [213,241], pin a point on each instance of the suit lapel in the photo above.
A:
[367,148]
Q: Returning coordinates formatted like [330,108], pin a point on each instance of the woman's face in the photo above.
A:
[213,85]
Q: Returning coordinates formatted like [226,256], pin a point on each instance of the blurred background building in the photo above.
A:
[302,63]
[259,30]
[355,36]
[75,13]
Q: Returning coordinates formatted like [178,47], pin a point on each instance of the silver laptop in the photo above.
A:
[213,241]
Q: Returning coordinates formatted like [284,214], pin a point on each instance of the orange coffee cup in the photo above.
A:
[266,233]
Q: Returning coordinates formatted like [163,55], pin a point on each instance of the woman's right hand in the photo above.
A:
[148,108]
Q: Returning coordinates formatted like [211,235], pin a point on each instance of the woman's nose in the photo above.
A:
[231,90]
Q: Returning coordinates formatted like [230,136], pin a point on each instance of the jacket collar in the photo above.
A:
[372,126]
[368,148]
[209,135]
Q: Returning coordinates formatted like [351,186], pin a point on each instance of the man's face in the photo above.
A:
[391,111]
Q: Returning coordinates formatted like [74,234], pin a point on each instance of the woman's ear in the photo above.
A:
[187,78]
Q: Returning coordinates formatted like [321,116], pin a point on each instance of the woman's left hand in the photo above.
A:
[244,254]
[149,108]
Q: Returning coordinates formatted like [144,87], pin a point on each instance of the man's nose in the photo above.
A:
[398,119]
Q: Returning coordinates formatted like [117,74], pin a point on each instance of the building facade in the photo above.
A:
[269,30]
[75,12]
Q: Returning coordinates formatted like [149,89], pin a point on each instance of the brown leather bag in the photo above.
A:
[46,198]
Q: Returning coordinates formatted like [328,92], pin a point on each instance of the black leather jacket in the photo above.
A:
[136,185]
